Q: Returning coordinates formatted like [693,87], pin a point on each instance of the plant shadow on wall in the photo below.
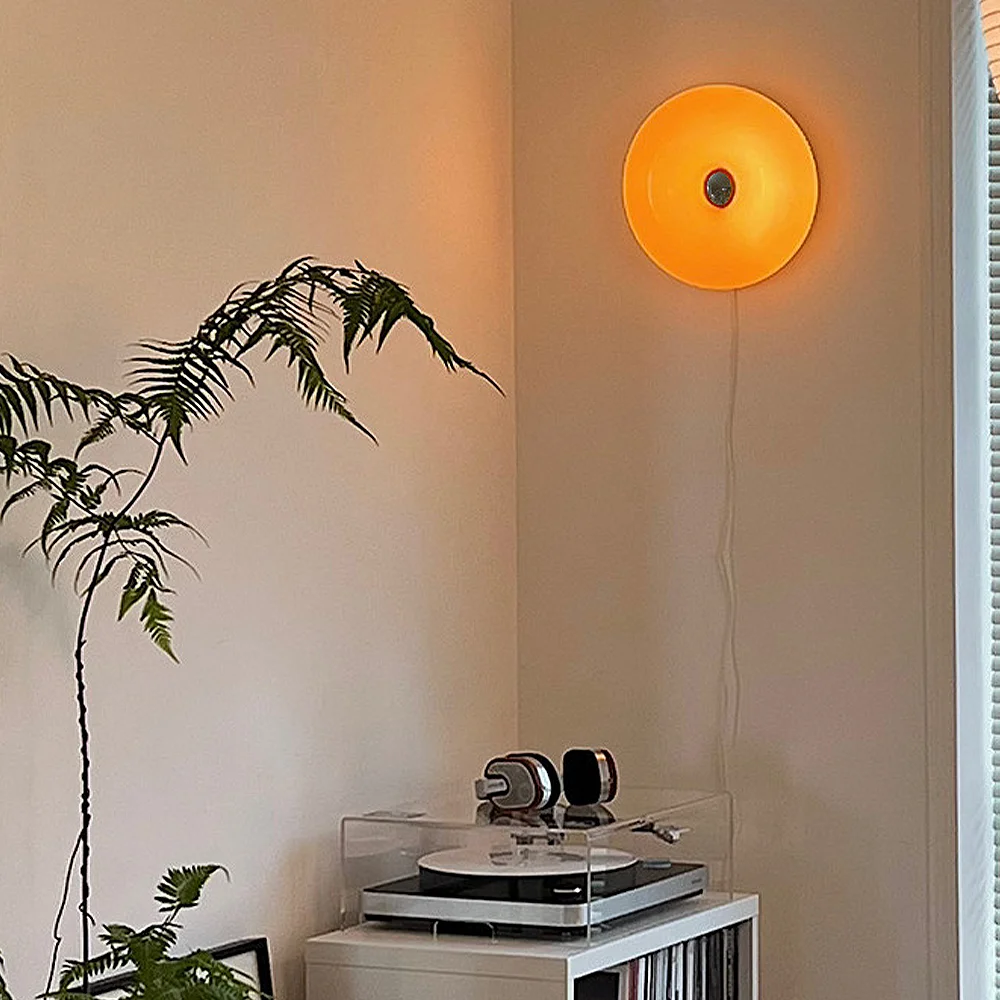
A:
[96,526]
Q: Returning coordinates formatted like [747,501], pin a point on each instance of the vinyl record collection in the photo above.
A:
[704,968]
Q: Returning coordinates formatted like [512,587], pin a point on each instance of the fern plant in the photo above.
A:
[94,520]
[141,961]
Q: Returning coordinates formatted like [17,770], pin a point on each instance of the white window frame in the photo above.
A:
[978,902]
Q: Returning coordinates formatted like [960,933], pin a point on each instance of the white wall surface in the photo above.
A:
[841,762]
[353,634]
[355,629]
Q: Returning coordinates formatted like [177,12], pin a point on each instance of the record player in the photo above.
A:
[563,870]
[540,888]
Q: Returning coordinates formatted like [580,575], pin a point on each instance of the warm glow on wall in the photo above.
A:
[720,186]
[989,13]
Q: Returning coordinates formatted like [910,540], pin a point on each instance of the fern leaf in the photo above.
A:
[143,530]
[156,619]
[182,382]
[130,597]
[164,934]
[95,555]
[186,381]
[98,431]
[23,387]
[36,450]
[71,546]
[155,519]
[22,494]
[57,514]
[117,934]
[181,888]
[8,449]
[138,582]
[106,570]
[73,972]
[371,299]
[13,406]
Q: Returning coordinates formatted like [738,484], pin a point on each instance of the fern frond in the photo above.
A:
[140,547]
[73,972]
[57,515]
[22,494]
[154,520]
[106,570]
[163,933]
[98,431]
[376,302]
[181,382]
[90,497]
[140,577]
[315,388]
[181,888]
[67,527]
[71,546]
[26,392]
[95,554]
[156,618]
[11,409]
[186,381]
[34,454]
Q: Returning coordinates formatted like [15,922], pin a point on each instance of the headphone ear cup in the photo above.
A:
[590,776]
[551,772]
[613,777]
[540,779]
[522,782]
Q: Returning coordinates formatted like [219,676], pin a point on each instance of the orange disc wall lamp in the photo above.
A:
[720,186]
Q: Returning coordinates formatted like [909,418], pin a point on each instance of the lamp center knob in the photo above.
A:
[720,188]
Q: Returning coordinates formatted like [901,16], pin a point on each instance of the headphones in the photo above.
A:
[525,780]
[590,777]
[529,780]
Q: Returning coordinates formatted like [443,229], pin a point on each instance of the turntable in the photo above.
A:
[564,871]
[544,888]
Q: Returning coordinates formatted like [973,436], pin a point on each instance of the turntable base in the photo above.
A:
[546,902]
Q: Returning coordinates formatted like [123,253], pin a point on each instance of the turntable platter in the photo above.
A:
[537,862]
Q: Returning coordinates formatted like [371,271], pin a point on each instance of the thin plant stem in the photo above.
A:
[86,816]
[57,939]
[85,789]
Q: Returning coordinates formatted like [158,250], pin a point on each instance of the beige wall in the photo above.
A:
[354,631]
[622,395]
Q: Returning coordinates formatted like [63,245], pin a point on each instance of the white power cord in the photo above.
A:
[729,674]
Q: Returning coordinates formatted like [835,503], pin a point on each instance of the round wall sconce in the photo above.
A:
[720,186]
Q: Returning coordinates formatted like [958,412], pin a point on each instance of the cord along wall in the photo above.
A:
[624,380]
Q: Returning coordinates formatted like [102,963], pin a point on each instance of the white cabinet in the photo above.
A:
[376,962]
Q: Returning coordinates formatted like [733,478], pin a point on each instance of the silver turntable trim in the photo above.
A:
[376,905]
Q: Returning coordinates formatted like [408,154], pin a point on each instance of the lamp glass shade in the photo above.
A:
[720,186]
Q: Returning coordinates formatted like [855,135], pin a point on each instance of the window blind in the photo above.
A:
[994,321]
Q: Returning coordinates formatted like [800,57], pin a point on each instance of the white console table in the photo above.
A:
[376,962]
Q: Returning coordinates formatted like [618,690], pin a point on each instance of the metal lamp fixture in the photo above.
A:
[720,186]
